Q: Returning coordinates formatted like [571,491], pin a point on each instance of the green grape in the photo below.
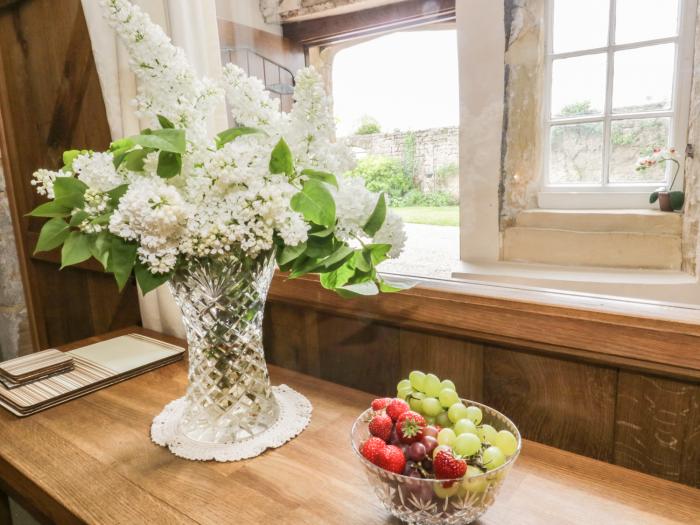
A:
[446,383]
[464,426]
[448,397]
[417,380]
[404,383]
[429,420]
[445,492]
[443,420]
[415,403]
[493,457]
[474,413]
[466,444]
[456,412]
[506,442]
[403,393]
[475,486]
[431,385]
[446,436]
[431,406]
[487,434]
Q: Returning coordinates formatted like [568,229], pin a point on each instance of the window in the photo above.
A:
[618,81]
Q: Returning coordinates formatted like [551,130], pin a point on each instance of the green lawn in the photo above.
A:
[442,216]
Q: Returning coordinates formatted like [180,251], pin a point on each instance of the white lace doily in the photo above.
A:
[294,417]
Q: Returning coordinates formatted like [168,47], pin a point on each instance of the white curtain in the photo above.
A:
[192,26]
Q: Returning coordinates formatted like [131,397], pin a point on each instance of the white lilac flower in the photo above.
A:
[391,232]
[44,179]
[97,171]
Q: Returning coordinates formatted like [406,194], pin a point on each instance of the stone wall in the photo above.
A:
[436,154]
[276,11]
[522,137]
[14,326]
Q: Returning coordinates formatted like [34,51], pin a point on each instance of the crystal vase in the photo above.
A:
[222,300]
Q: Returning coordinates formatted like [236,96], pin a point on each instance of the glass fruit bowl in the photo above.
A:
[432,501]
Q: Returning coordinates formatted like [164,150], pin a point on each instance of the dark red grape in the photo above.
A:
[430,431]
[429,443]
[394,437]
[416,451]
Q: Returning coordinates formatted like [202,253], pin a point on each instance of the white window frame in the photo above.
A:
[606,194]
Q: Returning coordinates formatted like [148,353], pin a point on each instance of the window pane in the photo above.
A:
[639,20]
[578,85]
[629,139]
[576,153]
[580,24]
[644,79]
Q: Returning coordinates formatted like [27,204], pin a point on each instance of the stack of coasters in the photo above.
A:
[95,366]
[33,367]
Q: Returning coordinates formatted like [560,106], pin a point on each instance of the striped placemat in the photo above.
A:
[35,365]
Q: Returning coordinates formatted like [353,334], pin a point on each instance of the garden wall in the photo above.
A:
[435,152]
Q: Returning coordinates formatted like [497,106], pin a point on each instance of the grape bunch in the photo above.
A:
[428,432]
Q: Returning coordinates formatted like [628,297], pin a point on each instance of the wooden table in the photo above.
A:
[91,460]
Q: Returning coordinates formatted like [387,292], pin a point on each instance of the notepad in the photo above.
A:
[95,366]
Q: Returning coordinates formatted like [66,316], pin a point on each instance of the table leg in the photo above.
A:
[5,517]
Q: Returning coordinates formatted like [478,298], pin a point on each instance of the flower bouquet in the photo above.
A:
[214,216]
[669,199]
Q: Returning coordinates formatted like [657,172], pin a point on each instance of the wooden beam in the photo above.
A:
[358,24]
[637,336]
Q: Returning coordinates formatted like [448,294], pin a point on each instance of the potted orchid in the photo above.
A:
[214,216]
[669,200]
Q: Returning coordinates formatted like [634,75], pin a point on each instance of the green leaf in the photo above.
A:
[76,249]
[103,219]
[99,247]
[52,235]
[78,217]
[125,143]
[68,158]
[164,122]
[677,199]
[289,253]
[115,194]
[233,133]
[69,191]
[361,261]
[50,209]
[122,256]
[315,203]
[341,254]
[337,278]
[172,140]
[653,197]
[169,164]
[320,247]
[376,219]
[148,280]
[324,232]
[354,290]
[322,176]
[281,160]
[393,286]
[134,160]
[378,252]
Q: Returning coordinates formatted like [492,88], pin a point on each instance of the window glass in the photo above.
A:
[576,153]
[580,24]
[644,79]
[640,20]
[628,138]
[578,86]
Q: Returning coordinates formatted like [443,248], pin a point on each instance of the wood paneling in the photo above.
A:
[641,336]
[657,427]
[50,100]
[461,361]
[561,403]
[366,22]
[359,354]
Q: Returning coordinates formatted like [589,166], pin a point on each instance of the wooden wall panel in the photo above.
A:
[657,426]
[461,361]
[51,100]
[561,403]
[359,354]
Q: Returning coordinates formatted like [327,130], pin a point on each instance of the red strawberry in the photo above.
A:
[446,466]
[396,408]
[409,426]
[392,459]
[380,403]
[371,448]
[380,426]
